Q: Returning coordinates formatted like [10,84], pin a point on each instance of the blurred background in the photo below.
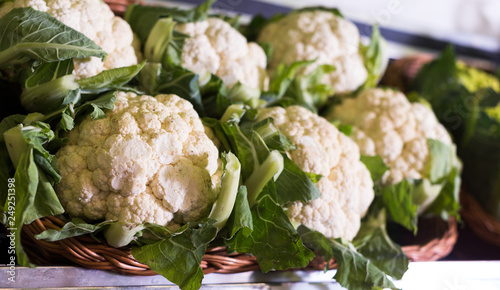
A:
[410,26]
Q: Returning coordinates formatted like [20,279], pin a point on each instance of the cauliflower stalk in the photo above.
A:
[95,20]
[408,138]
[329,39]
[149,160]
[346,187]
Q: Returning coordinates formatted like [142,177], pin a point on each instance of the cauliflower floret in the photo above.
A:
[148,160]
[321,36]
[385,123]
[95,19]
[346,186]
[218,48]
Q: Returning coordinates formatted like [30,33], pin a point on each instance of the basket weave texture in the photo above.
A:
[90,253]
[484,225]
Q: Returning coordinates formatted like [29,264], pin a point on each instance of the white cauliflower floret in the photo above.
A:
[385,123]
[218,48]
[148,160]
[95,20]
[346,186]
[321,36]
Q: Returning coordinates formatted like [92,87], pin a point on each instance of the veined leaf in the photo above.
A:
[355,271]
[111,79]
[28,34]
[74,228]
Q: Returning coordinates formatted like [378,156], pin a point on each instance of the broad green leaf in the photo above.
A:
[440,160]
[354,270]
[111,79]
[48,71]
[6,167]
[447,202]
[142,18]
[73,228]
[399,201]
[373,242]
[241,217]
[293,184]
[375,58]
[375,165]
[274,241]
[182,83]
[30,34]
[178,256]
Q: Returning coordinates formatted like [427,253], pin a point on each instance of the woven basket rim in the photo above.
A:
[87,252]
[483,224]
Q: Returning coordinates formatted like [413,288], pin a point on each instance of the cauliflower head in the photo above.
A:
[321,36]
[95,20]
[385,123]
[346,185]
[216,47]
[149,160]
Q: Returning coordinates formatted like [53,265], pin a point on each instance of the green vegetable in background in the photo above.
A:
[466,101]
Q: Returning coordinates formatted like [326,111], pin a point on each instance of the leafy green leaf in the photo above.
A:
[447,202]
[399,201]
[241,217]
[183,83]
[142,18]
[355,271]
[47,72]
[73,228]
[111,79]
[274,241]
[284,76]
[373,242]
[6,167]
[37,35]
[440,160]
[375,165]
[293,184]
[178,256]
[375,58]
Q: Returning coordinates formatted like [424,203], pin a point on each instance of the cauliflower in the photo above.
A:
[346,186]
[216,47]
[95,20]
[385,123]
[149,160]
[321,36]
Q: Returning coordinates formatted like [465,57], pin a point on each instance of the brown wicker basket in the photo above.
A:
[89,253]
[484,225]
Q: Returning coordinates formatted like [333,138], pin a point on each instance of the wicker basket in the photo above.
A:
[484,225]
[87,252]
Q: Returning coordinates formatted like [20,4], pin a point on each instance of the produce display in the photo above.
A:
[466,102]
[169,132]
